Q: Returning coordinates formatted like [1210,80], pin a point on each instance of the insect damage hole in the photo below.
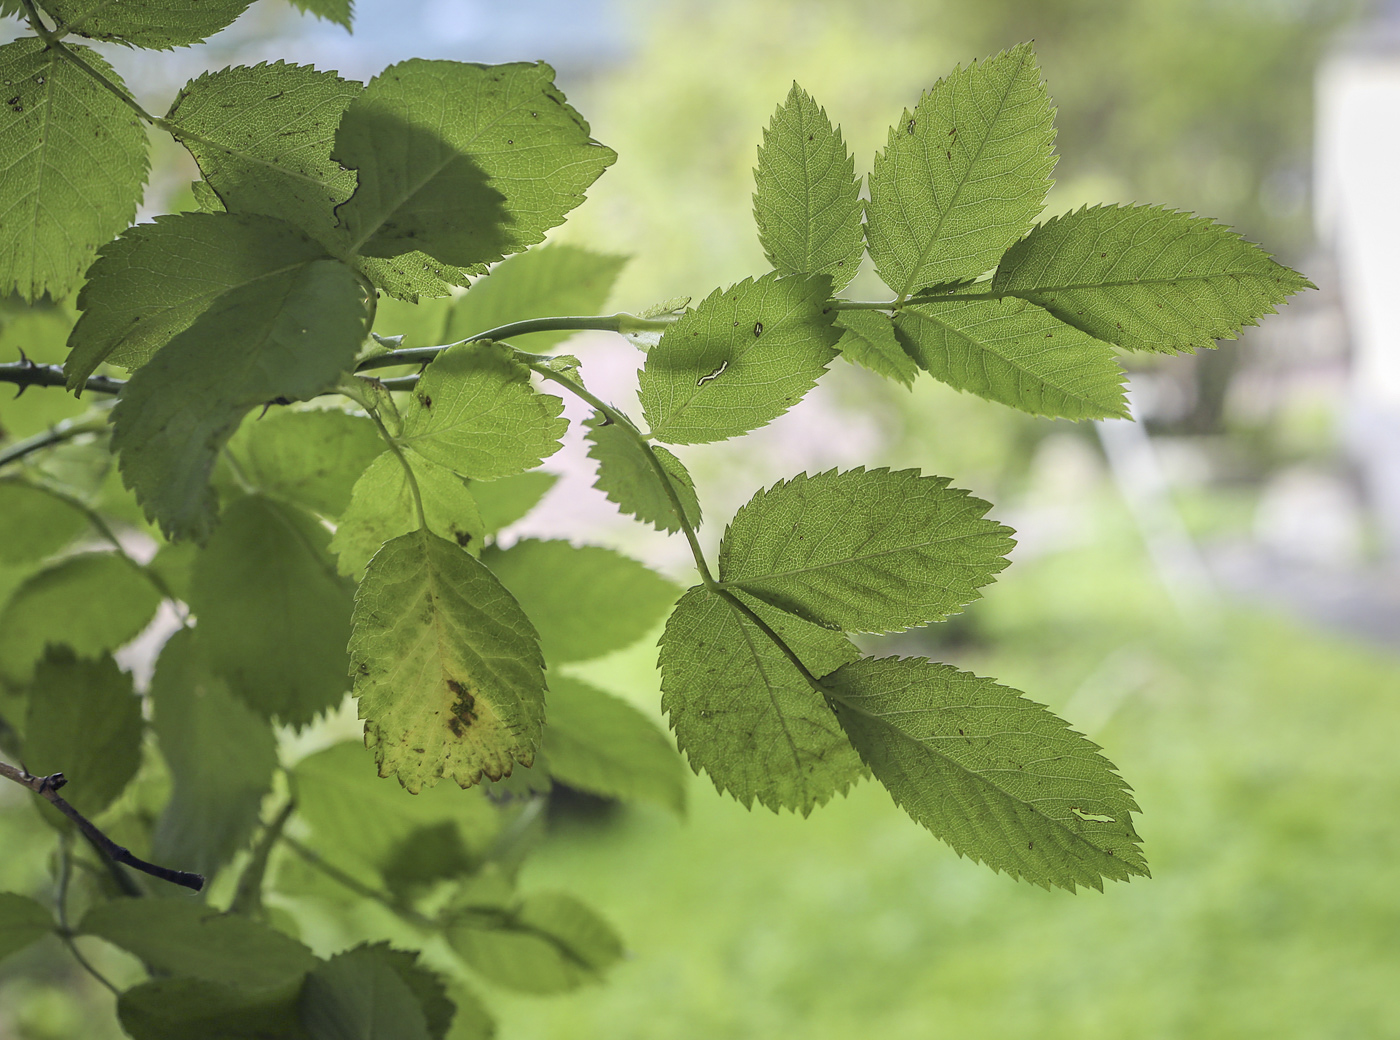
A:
[713,375]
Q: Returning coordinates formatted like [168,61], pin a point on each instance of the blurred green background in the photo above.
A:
[1259,743]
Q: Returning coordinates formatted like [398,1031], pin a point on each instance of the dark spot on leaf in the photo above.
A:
[758,328]
[462,537]
[910,128]
[425,400]
[463,708]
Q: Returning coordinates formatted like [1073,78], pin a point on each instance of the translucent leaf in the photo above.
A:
[427,987]
[1146,278]
[178,1009]
[188,939]
[996,776]
[744,714]
[92,602]
[739,360]
[153,282]
[475,412]
[584,601]
[1015,353]
[72,163]
[601,744]
[866,551]
[549,943]
[628,477]
[360,820]
[156,24]
[542,283]
[273,615]
[964,176]
[22,922]
[338,11]
[807,205]
[447,666]
[427,136]
[33,523]
[868,339]
[382,508]
[221,757]
[262,136]
[289,339]
[357,995]
[308,458]
[503,502]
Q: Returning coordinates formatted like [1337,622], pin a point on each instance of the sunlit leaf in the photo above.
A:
[158,24]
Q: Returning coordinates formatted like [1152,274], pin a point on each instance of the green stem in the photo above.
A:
[407,469]
[66,933]
[358,887]
[56,434]
[247,897]
[863,305]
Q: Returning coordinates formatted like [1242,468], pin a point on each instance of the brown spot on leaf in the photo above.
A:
[463,708]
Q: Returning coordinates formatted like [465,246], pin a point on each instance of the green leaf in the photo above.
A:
[34,523]
[996,776]
[273,615]
[627,477]
[262,136]
[807,205]
[289,339]
[72,163]
[338,11]
[92,602]
[601,744]
[382,508]
[1015,353]
[964,176]
[154,281]
[447,666]
[503,502]
[542,283]
[427,136]
[178,1009]
[1146,278]
[155,24]
[864,551]
[221,757]
[307,458]
[584,601]
[427,986]
[22,922]
[358,995]
[475,412]
[549,943]
[868,339]
[739,360]
[190,940]
[743,713]
[84,721]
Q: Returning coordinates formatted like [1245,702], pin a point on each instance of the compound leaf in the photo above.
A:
[155,24]
[1146,278]
[97,601]
[743,713]
[627,477]
[178,1009]
[273,615]
[447,666]
[963,177]
[995,775]
[1015,353]
[152,282]
[310,459]
[190,940]
[382,508]
[22,922]
[601,744]
[546,282]
[72,163]
[359,995]
[286,339]
[84,721]
[262,136]
[548,943]
[425,155]
[475,412]
[584,601]
[221,757]
[868,339]
[807,205]
[868,551]
[739,360]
